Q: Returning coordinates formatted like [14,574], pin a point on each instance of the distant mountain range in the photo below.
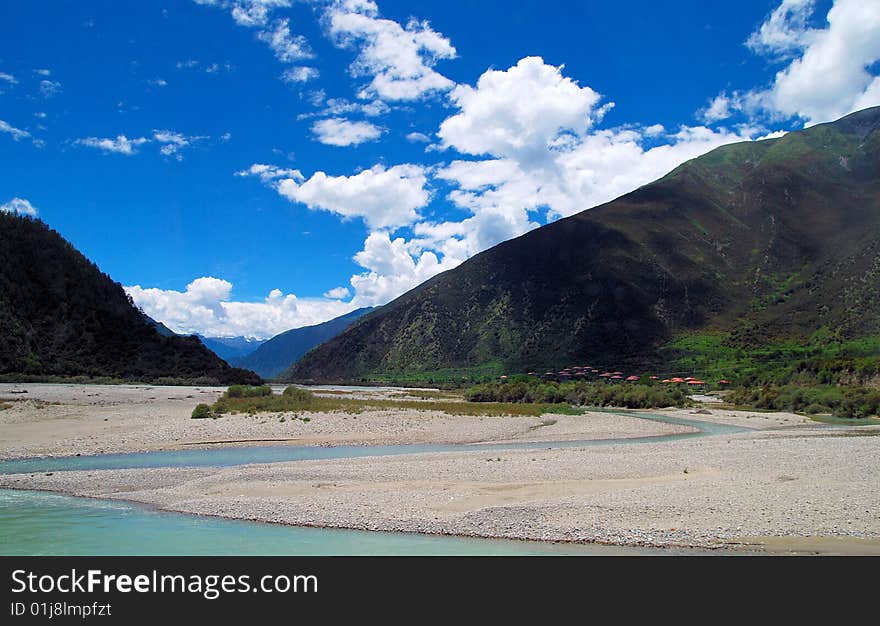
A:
[61,316]
[752,243]
[231,348]
[277,354]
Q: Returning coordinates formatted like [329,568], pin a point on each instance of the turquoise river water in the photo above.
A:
[37,523]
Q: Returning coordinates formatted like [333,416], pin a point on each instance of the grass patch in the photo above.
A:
[426,395]
[4,406]
[846,421]
[449,377]
[295,399]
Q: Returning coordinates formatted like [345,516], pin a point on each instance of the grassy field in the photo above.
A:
[296,400]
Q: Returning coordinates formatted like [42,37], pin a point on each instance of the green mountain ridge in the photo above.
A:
[758,242]
[60,316]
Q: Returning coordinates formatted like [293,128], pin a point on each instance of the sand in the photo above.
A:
[786,485]
[62,420]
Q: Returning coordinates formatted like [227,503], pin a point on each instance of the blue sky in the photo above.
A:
[248,166]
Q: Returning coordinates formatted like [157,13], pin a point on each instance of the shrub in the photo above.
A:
[579,393]
[850,402]
[247,391]
[297,394]
[202,411]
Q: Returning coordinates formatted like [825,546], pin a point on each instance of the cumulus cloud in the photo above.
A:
[20,206]
[337,293]
[829,71]
[398,60]
[383,197]
[337,131]
[531,152]
[393,267]
[206,307]
[542,154]
[8,78]
[519,112]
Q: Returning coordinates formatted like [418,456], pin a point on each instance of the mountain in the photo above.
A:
[276,355]
[61,316]
[161,328]
[229,348]
[753,244]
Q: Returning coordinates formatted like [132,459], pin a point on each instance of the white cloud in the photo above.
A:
[391,269]
[206,307]
[718,109]
[383,197]
[50,88]
[336,131]
[785,31]
[9,78]
[173,143]
[43,72]
[542,157]
[830,71]
[16,133]
[341,106]
[20,206]
[519,112]
[120,145]
[158,82]
[338,293]
[418,138]
[268,173]
[255,12]
[301,74]
[336,107]
[288,48]
[170,143]
[40,114]
[399,60]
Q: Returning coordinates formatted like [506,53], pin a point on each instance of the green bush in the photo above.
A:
[298,394]
[202,411]
[247,391]
[634,396]
[849,402]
